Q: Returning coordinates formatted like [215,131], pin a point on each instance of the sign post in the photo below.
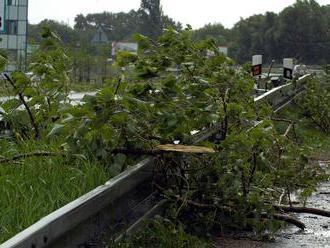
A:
[2,15]
[257,65]
[288,68]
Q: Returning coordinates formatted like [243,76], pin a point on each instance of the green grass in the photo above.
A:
[37,186]
[308,134]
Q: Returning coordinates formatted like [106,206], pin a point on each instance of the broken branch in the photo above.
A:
[32,154]
[286,218]
[160,149]
[292,209]
[288,130]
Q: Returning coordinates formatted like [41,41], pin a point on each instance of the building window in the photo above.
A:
[11,2]
[11,27]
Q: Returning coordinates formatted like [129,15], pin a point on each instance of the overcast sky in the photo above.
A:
[194,12]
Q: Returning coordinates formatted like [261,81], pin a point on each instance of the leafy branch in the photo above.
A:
[34,124]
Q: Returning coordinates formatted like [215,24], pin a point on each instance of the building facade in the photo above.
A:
[13,32]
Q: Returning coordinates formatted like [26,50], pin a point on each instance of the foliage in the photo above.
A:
[171,88]
[42,94]
[163,94]
[239,185]
[152,19]
[90,61]
[213,31]
[300,31]
[140,112]
[308,18]
[68,35]
[316,103]
[148,19]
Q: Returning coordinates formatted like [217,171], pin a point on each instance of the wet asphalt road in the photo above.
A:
[316,234]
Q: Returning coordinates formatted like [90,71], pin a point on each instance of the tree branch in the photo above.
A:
[292,209]
[276,216]
[21,97]
[225,109]
[161,149]
[288,130]
[118,86]
[286,218]
[282,120]
[32,154]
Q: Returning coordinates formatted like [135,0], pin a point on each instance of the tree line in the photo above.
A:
[148,20]
[301,30]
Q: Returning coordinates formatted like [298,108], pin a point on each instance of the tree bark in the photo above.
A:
[293,209]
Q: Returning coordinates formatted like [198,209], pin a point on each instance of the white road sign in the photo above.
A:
[257,65]
[257,60]
[288,63]
[288,68]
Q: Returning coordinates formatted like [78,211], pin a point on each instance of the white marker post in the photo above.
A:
[257,65]
[2,15]
[288,68]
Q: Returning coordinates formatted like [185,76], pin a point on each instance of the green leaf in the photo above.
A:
[56,130]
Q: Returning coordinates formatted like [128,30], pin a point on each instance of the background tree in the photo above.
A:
[300,31]
[215,31]
[151,18]
[67,34]
[303,31]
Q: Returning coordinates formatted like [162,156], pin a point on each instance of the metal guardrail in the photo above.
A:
[86,218]
[121,203]
[281,94]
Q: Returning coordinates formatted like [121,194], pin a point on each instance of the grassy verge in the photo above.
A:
[315,141]
[34,187]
